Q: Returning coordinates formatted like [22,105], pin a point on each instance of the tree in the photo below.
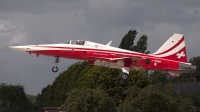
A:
[196,61]
[81,75]
[155,98]
[138,78]
[41,99]
[193,96]
[88,100]
[64,83]
[158,77]
[31,98]
[185,77]
[128,42]
[141,45]
[13,98]
[107,80]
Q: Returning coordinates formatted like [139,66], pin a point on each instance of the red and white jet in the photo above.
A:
[170,58]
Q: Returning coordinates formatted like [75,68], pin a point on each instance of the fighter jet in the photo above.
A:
[170,58]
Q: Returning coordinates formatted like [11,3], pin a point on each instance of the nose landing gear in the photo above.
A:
[55,68]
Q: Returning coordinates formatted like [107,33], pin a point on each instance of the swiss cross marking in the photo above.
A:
[155,64]
[179,55]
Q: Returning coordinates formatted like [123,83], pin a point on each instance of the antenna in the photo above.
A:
[108,44]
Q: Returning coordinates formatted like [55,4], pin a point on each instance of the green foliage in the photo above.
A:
[154,98]
[31,98]
[193,96]
[128,42]
[88,100]
[138,78]
[41,100]
[107,80]
[101,77]
[81,75]
[55,94]
[196,61]
[13,98]
[141,45]
[158,77]
[184,78]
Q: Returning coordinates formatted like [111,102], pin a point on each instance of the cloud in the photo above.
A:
[11,33]
[38,6]
[18,38]
[141,13]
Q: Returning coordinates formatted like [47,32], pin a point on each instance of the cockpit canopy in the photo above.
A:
[85,43]
[78,42]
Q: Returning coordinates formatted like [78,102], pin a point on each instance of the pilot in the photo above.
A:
[82,42]
[77,42]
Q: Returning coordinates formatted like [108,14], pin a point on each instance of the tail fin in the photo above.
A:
[173,49]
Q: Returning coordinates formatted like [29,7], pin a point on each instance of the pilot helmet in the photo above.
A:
[77,42]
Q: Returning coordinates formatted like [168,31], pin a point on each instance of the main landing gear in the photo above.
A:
[123,78]
[55,68]
[123,75]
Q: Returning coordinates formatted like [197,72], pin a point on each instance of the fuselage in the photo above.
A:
[171,57]
[104,55]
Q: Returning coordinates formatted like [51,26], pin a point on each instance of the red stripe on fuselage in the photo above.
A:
[97,50]
[78,51]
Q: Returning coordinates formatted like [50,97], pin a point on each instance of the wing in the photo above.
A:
[118,57]
[127,57]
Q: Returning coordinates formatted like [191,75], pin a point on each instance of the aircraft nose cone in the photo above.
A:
[19,48]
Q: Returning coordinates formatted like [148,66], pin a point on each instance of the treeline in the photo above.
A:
[87,88]
[14,99]
[142,92]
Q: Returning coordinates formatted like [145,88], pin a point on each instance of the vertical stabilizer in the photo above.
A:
[173,49]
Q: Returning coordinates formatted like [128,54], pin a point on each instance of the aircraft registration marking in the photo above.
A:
[157,61]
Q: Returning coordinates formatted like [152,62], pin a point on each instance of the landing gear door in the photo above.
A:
[84,55]
[148,63]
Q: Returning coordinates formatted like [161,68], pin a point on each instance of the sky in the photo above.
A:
[24,22]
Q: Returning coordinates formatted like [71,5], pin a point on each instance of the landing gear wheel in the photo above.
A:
[55,69]
[121,81]
[124,76]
